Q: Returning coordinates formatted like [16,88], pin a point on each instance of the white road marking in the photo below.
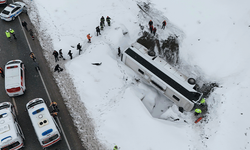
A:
[45,87]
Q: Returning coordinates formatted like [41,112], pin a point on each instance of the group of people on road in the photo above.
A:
[153,29]
[9,33]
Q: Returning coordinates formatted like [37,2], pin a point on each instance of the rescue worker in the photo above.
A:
[103,21]
[70,54]
[32,55]
[203,102]
[1,72]
[8,35]
[154,30]
[13,33]
[150,23]
[98,30]
[108,20]
[89,38]
[164,23]
[24,24]
[197,111]
[79,47]
[54,105]
[54,114]
[101,24]
[115,148]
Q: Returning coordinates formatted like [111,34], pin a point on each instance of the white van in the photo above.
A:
[45,126]
[162,76]
[15,78]
[11,135]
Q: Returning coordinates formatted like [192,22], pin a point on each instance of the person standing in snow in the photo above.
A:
[12,33]
[101,24]
[108,20]
[79,47]
[151,28]
[98,30]
[8,35]
[150,23]
[89,38]
[24,24]
[154,30]
[55,53]
[70,54]
[61,54]
[103,21]
[119,51]
[164,23]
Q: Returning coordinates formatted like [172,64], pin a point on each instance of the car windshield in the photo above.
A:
[5,12]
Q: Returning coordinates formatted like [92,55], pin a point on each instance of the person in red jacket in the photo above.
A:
[89,38]
[154,30]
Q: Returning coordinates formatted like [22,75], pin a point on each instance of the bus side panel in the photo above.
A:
[178,99]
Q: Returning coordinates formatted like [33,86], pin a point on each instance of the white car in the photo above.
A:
[15,78]
[3,1]
[11,11]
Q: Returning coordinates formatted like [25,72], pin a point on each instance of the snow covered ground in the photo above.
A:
[105,100]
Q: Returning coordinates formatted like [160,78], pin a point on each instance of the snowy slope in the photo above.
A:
[105,100]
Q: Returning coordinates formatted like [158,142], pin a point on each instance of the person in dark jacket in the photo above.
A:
[24,24]
[79,47]
[55,53]
[58,68]
[103,21]
[61,54]
[150,23]
[164,23]
[108,20]
[70,54]
[98,30]
[31,34]
[101,24]
[151,29]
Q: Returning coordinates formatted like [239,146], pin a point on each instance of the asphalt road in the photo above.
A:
[19,49]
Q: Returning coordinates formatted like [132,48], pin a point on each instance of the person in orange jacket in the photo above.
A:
[89,38]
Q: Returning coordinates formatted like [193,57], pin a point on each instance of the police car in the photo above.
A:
[11,11]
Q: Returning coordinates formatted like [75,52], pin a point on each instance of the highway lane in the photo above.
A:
[19,49]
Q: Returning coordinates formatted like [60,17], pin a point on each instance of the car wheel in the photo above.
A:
[13,18]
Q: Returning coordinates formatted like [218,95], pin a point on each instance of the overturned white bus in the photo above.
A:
[165,78]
